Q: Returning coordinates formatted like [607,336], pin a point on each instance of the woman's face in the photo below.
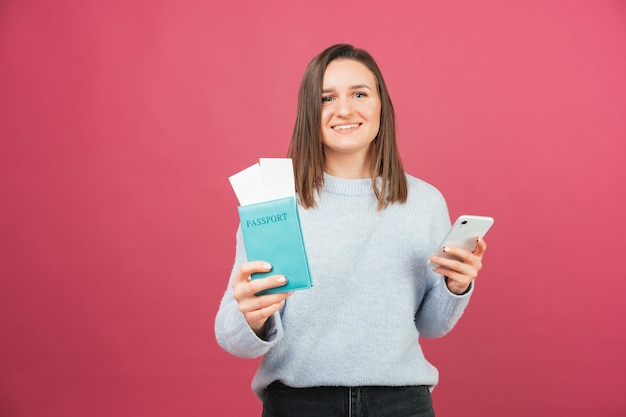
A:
[350,109]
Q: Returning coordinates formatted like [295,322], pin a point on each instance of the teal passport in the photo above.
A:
[271,232]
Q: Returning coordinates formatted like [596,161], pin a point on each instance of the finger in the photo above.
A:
[455,254]
[481,247]
[260,284]
[458,284]
[468,266]
[243,290]
[466,256]
[462,274]
[257,318]
[459,277]
[458,271]
[262,302]
[246,269]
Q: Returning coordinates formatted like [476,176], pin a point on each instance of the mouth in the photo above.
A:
[346,127]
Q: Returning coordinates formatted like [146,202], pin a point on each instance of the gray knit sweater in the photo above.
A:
[373,294]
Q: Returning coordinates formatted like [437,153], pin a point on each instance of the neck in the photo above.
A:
[347,166]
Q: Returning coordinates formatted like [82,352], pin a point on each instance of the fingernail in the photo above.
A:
[281,279]
[267,266]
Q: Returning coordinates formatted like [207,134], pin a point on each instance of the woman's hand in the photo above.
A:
[257,308]
[460,274]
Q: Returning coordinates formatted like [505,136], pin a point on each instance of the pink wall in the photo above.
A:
[120,122]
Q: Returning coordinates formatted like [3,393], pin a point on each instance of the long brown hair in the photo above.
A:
[306,148]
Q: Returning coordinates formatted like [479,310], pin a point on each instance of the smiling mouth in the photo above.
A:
[346,127]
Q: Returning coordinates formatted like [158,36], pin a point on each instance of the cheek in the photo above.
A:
[326,112]
[374,116]
[325,116]
[372,108]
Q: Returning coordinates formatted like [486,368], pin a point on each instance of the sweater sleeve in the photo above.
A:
[440,309]
[232,331]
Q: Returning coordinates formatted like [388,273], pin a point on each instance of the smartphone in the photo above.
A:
[463,234]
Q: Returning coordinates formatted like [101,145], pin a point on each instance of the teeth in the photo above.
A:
[344,127]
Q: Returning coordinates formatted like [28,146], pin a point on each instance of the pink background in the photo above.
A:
[120,122]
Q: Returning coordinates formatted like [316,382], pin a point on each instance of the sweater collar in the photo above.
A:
[344,186]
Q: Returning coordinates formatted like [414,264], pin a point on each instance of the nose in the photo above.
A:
[344,106]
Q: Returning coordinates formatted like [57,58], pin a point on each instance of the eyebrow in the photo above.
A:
[353,87]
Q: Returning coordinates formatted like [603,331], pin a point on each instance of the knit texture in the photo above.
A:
[374,294]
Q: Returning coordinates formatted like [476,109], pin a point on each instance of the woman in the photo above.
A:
[349,346]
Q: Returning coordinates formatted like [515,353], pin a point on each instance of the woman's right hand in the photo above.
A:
[257,308]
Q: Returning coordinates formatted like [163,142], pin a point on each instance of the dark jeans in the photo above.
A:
[283,401]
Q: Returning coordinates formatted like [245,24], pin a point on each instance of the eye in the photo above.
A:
[327,99]
[360,94]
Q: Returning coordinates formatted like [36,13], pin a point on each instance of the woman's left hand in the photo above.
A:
[460,274]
